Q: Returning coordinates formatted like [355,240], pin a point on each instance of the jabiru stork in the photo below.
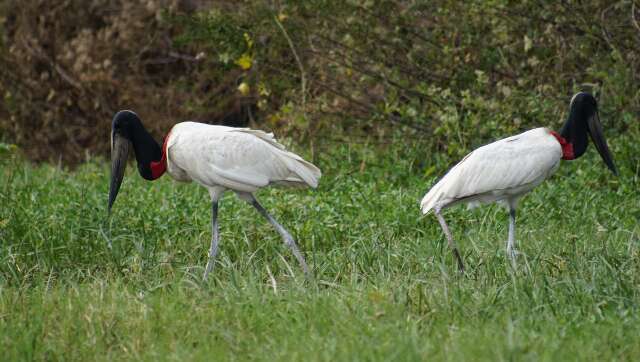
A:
[506,169]
[219,158]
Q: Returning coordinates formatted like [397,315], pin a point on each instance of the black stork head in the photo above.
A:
[584,119]
[127,130]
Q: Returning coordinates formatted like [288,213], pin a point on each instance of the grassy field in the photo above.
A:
[385,285]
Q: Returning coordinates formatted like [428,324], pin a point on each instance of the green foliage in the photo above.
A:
[453,72]
[385,286]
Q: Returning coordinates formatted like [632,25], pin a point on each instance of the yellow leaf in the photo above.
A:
[247,38]
[263,90]
[528,43]
[429,171]
[245,61]
[244,89]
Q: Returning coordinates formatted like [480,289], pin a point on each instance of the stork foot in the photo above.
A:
[459,260]
[512,254]
[296,252]
[208,269]
[213,249]
[452,244]
[286,237]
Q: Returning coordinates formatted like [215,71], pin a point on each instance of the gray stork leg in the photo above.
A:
[452,244]
[213,250]
[286,237]
[511,242]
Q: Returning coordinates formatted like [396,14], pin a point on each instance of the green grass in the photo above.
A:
[385,286]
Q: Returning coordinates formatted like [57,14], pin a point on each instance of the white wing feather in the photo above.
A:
[500,170]
[239,159]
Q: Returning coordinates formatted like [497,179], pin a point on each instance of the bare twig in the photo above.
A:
[605,33]
[633,15]
[172,57]
[393,118]
[379,76]
[409,30]
[373,58]
[303,78]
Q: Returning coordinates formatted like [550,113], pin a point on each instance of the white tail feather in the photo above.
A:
[303,171]
[432,197]
[306,171]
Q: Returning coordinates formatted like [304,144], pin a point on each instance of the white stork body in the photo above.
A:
[507,169]
[500,171]
[217,157]
[240,159]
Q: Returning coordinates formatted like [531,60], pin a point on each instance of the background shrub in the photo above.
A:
[325,71]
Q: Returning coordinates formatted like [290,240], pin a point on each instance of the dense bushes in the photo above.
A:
[322,69]
[67,68]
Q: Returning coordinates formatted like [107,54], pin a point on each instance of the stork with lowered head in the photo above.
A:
[507,169]
[219,158]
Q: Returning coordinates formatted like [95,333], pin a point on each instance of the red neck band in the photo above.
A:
[567,147]
[158,168]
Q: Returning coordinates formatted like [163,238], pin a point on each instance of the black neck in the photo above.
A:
[146,149]
[575,130]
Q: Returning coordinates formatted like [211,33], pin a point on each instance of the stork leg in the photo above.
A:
[452,244]
[213,250]
[286,237]
[511,242]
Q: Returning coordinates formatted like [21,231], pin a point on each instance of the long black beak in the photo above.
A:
[119,154]
[595,130]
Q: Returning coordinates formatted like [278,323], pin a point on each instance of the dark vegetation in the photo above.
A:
[322,71]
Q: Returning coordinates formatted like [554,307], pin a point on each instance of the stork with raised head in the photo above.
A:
[507,169]
[219,158]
